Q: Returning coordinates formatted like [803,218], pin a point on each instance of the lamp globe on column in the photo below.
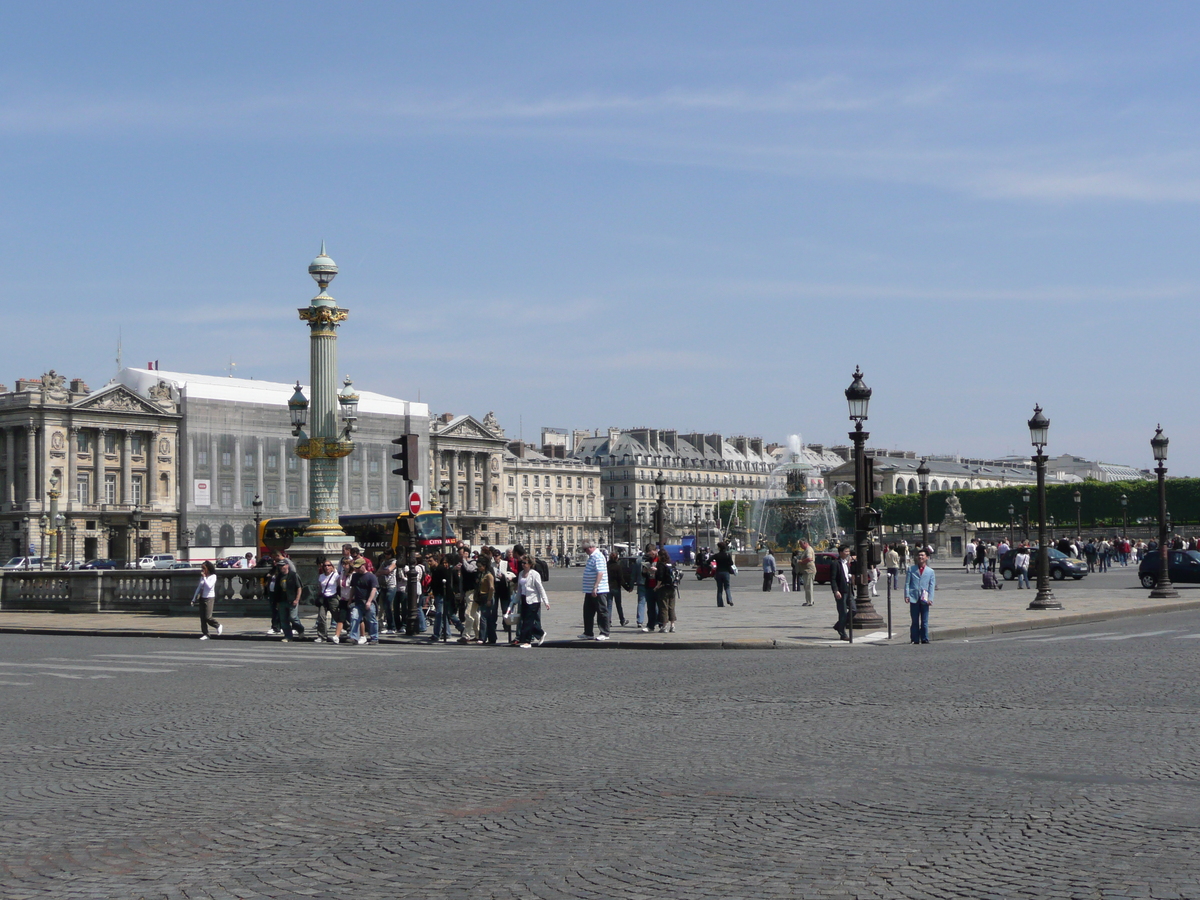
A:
[348,400]
[298,410]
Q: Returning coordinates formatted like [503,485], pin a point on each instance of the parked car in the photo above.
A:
[100,564]
[157,561]
[1061,565]
[1182,565]
[22,562]
[825,561]
[180,564]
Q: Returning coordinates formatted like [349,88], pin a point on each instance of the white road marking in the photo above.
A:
[17,683]
[1126,637]
[1181,637]
[1073,637]
[84,668]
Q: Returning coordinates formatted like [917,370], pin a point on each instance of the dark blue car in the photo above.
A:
[1182,565]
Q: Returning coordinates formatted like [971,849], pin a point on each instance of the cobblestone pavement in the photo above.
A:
[758,619]
[1055,764]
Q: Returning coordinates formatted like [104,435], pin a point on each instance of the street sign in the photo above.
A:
[414,503]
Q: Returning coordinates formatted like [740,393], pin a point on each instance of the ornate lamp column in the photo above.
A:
[1124,516]
[1163,589]
[1012,535]
[858,396]
[323,536]
[1039,428]
[1078,514]
[660,484]
[923,481]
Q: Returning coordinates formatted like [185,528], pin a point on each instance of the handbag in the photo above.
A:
[733,569]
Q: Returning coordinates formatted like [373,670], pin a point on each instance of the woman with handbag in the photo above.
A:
[664,589]
[204,597]
[532,594]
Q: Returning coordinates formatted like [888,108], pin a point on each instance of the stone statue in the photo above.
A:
[161,394]
[54,386]
[492,424]
[953,506]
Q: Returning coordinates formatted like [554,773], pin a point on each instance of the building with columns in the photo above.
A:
[700,470]
[467,457]
[104,461]
[236,443]
[552,499]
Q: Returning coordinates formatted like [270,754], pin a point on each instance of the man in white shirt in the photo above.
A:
[595,593]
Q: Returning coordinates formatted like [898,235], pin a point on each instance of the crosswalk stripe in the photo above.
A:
[143,671]
[1126,637]
[1183,637]
[1071,637]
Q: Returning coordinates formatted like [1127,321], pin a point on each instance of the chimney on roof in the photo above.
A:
[756,445]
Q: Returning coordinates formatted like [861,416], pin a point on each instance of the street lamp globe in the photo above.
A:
[923,475]
[323,269]
[1158,444]
[349,403]
[1078,497]
[660,482]
[1025,497]
[1012,510]
[1039,429]
[858,397]
[1124,500]
[298,409]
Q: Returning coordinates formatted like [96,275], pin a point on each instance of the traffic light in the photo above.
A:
[408,457]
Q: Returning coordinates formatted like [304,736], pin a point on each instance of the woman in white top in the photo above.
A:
[533,601]
[205,597]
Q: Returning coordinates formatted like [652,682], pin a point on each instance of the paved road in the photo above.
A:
[1058,763]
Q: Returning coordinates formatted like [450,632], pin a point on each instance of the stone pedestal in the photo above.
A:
[951,538]
[306,552]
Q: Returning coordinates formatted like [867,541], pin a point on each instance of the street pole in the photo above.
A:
[858,395]
[1025,499]
[1039,427]
[443,496]
[1124,516]
[1163,589]
[923,482]
[1012,535]
[660,482]
[258,541]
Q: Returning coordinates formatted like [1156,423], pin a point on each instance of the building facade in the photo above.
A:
[700,470]
[236,444]
[88,474]
[553,500]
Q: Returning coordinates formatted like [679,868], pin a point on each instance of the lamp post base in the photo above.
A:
[866,617]
[1044,600]
[1164,592]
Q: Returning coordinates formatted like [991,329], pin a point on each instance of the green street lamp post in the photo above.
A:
[1078,513]
[1039,430]
[1124,516]
[1162,589]
[1012,535]
[1025,500]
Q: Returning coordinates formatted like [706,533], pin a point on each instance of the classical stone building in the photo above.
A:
[236,443]
[466,456]
[700,471]
[553,500]
[104,462]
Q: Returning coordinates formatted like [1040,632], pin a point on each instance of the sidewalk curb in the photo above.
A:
[1058,621]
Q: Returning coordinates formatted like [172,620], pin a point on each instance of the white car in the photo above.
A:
[22,562]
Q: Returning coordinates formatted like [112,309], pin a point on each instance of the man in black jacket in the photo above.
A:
[841,578]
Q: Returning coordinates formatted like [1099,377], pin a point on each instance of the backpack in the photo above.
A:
[542,569]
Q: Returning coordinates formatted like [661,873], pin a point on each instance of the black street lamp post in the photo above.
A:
[1012,534]
[1039,430]
[629,526]
[1124,516]
[923,481]
[660,483]
[72,530]
[443,499]
[1025,500]
[1078,513]
[25,523]
[258,541]
[44,521]
[1163,588]
[858,397]
[135,519]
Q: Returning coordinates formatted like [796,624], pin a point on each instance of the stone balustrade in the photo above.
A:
[159,591]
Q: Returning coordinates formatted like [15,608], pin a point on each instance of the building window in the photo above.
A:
[624,490]
[293,498]
[135,444]
[110,488]
[247,535]
[227,495]
[570,508]
[589,488]
[524,481]
[525,506]
[135,490]
[272,461]
[612,490]
[83,493]
[558,481]
[535,481]
[202,457]
[512,506]
[591,506]
[203,536]
[293,463]
[373,467]
[356,498]
[272,498]
[512,482]
[226,535]
[356,467]
[373,498]
[81,441]
[558,508]
[537,504]
[110,442]
[249,461]
[247,496]
[393,498]
[226,458]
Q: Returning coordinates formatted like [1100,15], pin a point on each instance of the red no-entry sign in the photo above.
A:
[414,503]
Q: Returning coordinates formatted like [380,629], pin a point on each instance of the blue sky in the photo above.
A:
[691,215]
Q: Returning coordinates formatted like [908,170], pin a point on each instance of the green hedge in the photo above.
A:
[1100,503]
